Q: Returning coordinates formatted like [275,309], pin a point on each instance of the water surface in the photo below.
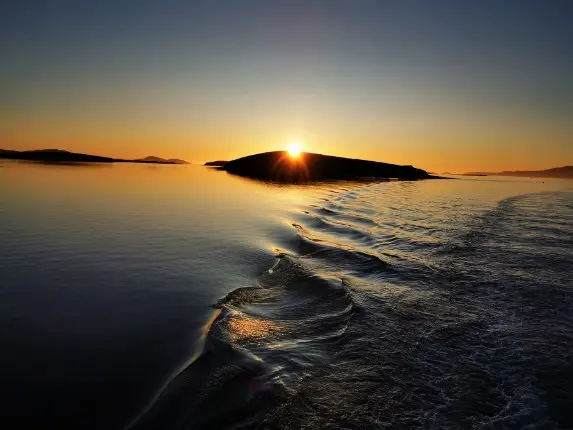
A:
[182,297]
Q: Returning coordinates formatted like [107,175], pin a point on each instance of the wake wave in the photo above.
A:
[378,315]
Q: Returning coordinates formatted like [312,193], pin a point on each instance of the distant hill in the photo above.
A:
[62,156]
[54,155]
[152,159]
[565,172]
[47,150]
[218,163]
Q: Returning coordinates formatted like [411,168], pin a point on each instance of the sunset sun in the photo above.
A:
[293,149]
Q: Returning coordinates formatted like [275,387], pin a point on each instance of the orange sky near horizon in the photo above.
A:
[430,149]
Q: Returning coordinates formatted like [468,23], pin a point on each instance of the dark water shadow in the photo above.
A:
[308,183]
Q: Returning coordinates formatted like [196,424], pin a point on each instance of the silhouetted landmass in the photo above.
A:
[54,155]
[152,159]
[280,166]
[218,163]
[61,156]
[565,172]
[178,161]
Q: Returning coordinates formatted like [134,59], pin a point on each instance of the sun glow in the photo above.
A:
[293,149]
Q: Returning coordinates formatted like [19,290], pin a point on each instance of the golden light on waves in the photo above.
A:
[242,327]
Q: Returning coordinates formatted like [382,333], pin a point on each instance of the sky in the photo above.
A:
[443,85]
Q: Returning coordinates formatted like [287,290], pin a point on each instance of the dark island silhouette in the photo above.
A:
[306,167]
[565,172]
[152,159]
[218,163]
[62,156]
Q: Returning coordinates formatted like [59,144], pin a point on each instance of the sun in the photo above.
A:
[293,149]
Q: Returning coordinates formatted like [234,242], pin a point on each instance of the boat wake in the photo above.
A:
[380,311]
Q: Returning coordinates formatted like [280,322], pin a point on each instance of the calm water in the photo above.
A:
[178,297]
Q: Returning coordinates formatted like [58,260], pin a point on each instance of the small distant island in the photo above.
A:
[307,167]
[152,159]
[62,156]
[565,172]
[218,163]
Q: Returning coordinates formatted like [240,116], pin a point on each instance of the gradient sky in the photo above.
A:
[443,85]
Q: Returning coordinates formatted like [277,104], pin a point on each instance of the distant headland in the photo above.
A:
[152,159]
[61,156]
[307,167]
[218,163]
[565,172]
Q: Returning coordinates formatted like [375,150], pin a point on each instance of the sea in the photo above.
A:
[181,297]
